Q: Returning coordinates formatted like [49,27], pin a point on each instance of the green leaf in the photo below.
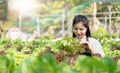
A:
[43,64]
[6,65]
[86,64]
[110,63]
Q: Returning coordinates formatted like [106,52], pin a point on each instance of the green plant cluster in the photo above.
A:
[47,64]
[102,34]
[71,45]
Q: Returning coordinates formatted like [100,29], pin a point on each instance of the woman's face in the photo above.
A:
[79,30]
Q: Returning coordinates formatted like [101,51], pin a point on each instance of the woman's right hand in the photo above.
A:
[89,48]
[86,44]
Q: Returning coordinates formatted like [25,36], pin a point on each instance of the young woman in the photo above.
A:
[81,32]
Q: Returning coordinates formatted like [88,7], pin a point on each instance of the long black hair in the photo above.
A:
[82,18]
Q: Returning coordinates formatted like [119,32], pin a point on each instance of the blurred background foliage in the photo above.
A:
[52,13]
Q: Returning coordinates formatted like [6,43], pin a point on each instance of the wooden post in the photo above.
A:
[110,30]
[94,13]
[63,19]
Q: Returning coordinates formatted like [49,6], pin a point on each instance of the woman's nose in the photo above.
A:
[78,31]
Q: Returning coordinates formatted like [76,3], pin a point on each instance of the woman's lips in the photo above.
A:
[78,35]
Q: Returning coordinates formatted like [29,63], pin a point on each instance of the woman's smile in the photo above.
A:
[79,30]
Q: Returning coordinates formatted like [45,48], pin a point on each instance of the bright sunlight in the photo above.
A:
[25,6]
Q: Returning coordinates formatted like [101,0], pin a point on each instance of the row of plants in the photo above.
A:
[47,63]
[65,54]
[19,50]
[68,45]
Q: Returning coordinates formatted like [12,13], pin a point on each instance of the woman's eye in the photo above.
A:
[75,28]
[81,29]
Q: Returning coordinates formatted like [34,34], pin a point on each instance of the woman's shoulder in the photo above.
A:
[92,39]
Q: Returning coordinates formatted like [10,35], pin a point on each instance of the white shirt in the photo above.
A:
[96,46]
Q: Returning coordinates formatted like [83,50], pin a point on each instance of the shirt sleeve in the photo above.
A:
[97,47]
